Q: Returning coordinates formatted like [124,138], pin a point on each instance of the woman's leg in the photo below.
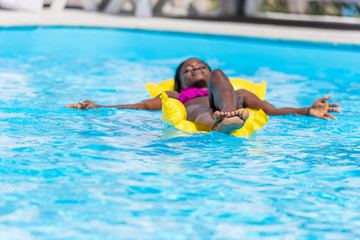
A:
[202,116]
[222,96]
[222,115]
[225,104]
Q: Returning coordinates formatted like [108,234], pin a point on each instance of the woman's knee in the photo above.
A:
[217,75]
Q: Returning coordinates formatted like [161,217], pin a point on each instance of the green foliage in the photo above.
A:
[214,5]
[314,8]
[274,6]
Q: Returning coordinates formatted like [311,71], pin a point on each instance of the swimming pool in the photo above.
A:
[122,174]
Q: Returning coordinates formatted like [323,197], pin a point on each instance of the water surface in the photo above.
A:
[123,174]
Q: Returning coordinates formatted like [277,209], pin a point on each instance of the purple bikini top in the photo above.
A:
[190,93]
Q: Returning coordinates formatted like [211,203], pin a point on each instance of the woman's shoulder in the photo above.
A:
[173,94]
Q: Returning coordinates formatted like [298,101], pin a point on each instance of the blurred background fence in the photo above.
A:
[196,8]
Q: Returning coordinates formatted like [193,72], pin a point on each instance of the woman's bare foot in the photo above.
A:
[227,122]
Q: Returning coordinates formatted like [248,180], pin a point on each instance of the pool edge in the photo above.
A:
[308,43]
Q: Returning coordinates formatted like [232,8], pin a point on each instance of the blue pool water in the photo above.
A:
[123,174]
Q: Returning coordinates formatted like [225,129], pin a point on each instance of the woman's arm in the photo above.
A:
[320,109]
[149,104]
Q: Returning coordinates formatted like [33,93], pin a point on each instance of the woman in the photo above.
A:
[212,103]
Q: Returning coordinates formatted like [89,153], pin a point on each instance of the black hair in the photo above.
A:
[177,79]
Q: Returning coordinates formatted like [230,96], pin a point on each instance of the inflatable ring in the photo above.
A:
[174,112]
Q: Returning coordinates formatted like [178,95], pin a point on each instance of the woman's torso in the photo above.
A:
[204,100]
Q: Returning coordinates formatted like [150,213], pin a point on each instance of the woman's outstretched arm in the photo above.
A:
[320,108]
[148,104]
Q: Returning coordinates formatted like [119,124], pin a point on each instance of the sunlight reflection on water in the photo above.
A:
[109,174]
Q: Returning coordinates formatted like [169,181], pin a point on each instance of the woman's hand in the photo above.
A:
[321,109]
[86,105]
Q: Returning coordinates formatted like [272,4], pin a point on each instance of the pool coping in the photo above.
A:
[264,32]
[329,45]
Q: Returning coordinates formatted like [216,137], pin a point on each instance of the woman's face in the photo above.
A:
[194,73]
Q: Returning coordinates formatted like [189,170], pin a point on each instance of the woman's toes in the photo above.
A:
[244,114]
